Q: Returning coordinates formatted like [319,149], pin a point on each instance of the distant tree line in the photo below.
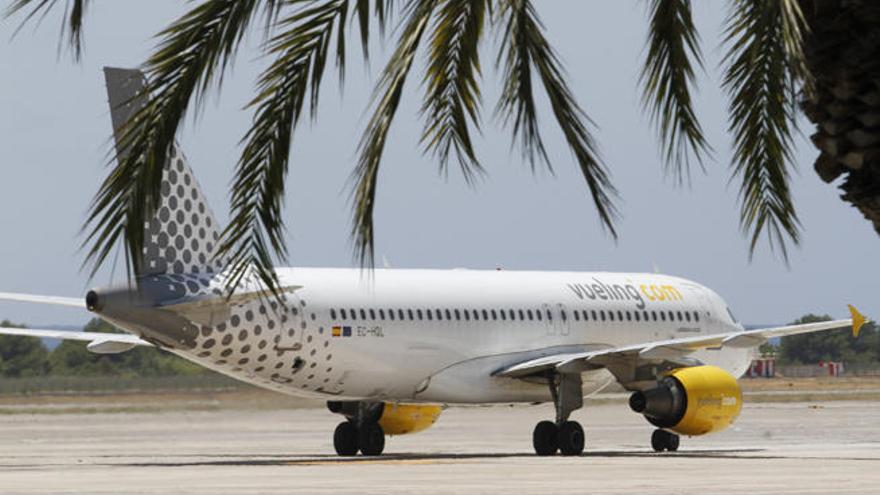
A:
[833,345]
[24,357]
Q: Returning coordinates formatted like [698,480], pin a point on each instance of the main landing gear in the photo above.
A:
[564,436]
[664,440]
[361,430]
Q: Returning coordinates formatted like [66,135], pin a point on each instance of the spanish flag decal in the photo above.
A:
[337,331]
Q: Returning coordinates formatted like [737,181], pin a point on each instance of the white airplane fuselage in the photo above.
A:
[437,336]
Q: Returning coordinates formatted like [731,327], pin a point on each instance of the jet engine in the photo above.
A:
[691,401]
[395,419]
[399,419]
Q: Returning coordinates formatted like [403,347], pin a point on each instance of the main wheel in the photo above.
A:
[672,442]
[371,439]
[345,439]
[571,438]
[545,438]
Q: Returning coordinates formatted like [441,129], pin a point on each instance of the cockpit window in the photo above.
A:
[732,318]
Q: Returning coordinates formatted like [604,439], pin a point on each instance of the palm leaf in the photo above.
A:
[387,97]
[194,52]
[452,95]
[667,78]
[763,66]
[71,27]
[254,235]
[524,47]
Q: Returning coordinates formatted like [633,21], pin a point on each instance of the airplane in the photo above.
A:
[390,350]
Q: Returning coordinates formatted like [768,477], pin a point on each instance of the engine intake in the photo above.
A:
[691,401]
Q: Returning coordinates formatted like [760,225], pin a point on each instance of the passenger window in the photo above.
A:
[342,313]
[586,315]
[485,315]
[332,314]
[549,315]
[457,315]
[594,315]
[363,314]
[602,315]
[696,316]
[522,315]
[636,314]
[475,314]
[628,316]
[448,314]
[577,316]
[410,313]
[654,315]
[564,316]
[620,316]
[428,314]
[502,314]
[671,316]
[663,316]
[381,314]
[611,315]
[645,315]
[372,314]
[494,315]
[400,315]
[439,314]
[353,314]
[529,312]
[687,316]
[467,315]
[391,314]
[512,314]
[538,314]
[419,314]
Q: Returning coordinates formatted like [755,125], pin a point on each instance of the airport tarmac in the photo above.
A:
[792,447]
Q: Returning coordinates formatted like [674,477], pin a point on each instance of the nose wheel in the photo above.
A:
[663,440]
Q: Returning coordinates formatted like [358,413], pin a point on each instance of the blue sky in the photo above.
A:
[55,129]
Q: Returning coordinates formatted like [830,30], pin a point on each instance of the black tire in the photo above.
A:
[545,438]
[371,439]
[345,439]
[660,440]
[672,442]
[571,438]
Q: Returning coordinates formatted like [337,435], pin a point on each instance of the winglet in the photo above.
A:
[858,320]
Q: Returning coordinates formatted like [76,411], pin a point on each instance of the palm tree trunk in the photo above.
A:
[843,53]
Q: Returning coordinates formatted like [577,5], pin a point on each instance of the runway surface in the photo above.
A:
[831,447]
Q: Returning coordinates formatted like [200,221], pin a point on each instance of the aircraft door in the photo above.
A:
[562,319]
[292,323]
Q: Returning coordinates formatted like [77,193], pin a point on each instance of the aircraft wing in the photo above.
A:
[99,342]
[672,349]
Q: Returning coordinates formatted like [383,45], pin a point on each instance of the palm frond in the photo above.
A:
[255,232]
[452,95]
[523,47]
[387,97]
[667,78]
[71,26]
[763,67]
[194,52]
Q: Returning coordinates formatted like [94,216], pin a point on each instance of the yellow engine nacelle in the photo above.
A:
[399,419]
[691,401]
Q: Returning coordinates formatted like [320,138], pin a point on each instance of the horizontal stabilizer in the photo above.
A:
[74,302]
[99,342]
[212,309]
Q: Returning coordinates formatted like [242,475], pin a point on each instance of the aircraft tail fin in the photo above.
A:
[182,237]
